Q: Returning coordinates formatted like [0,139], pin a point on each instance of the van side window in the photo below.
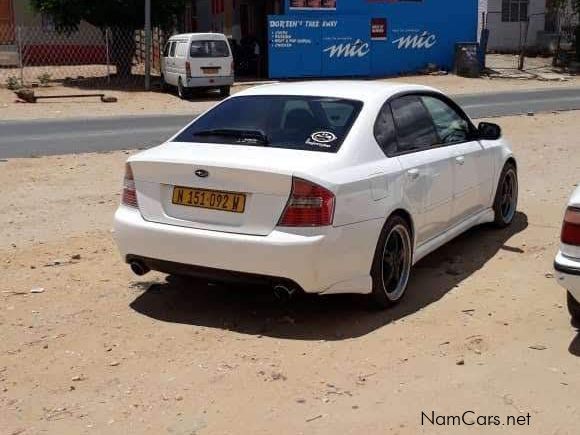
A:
[166,50]
[172,50]
[181,49]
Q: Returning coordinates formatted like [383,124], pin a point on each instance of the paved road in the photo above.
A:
[46,137]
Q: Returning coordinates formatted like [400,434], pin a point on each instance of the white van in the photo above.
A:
[198,60]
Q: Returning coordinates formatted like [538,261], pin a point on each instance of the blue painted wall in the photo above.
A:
[335,43]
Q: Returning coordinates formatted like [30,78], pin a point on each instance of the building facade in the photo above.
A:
[362,38]
[517,23]
[40,42]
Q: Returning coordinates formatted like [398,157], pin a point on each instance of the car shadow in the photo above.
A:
[574,347]
[254,311]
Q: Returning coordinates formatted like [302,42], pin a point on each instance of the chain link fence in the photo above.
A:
[89,57]
[531,44]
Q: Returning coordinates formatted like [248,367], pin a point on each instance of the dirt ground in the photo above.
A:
[93,349]
[139,103]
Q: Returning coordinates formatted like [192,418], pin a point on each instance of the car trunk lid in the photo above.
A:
[260,176]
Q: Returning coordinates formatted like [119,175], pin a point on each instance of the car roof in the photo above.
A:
[198,35]
[361,90]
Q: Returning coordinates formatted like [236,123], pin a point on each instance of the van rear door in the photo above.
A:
[210,57]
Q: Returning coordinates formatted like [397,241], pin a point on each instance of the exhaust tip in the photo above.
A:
[138,268]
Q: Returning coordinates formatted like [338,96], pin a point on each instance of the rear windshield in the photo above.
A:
[209,49]
[292,122]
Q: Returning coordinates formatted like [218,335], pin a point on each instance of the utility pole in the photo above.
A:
[147,45]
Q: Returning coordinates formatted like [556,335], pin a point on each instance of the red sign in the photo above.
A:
[378,29]
[313,4]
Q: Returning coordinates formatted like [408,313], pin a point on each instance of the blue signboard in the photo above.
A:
[367,37]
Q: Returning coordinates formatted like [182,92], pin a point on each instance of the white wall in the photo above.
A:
[510,36]
[481,9]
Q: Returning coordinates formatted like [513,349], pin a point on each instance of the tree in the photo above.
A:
[568,15]
[123,17]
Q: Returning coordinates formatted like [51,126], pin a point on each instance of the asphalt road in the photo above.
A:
[48,137]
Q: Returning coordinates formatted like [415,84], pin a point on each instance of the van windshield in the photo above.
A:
[280,121]
[209,49]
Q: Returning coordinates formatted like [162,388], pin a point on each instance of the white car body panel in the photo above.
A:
[442,197]
[569,257]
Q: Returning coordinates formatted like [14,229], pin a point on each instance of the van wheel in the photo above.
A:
[182,91]
[392,263]
[574,308]
[506,196]
[225,91]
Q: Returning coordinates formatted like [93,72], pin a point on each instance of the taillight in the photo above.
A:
[309,205]
[571,227]
[188,69]
[233,68]
[129,196]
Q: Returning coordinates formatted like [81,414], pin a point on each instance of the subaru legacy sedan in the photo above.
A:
[322,187]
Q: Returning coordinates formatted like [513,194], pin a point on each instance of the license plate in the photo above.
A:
[210,199]
[210,70]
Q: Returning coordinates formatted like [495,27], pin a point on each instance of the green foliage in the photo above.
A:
[13,83]
[67,14]
[44,79]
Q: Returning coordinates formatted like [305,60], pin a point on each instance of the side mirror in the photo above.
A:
[488,131]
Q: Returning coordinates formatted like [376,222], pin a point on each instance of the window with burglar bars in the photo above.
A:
[514,10]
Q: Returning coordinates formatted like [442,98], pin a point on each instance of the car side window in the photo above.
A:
[450,125]
[385,132]
[415,129]
[172,50]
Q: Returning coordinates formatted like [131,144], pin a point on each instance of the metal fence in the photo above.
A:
[90,57]
[529,43]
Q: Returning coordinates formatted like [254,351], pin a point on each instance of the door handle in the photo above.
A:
[460,160]
[413,174]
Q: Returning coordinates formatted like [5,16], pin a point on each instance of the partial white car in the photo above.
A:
[567,263]
[326,187]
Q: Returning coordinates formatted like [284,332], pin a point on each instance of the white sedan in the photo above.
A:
[326,187]
[567,263]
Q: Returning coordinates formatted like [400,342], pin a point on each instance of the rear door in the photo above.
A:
[471,162]
[210,56]
[427,168]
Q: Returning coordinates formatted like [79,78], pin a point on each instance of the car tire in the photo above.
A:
[574,308]
[225,91]
[392,262]
[505,203]
[182,91]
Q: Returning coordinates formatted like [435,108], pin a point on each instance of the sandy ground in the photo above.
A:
[483,328]
[137,103]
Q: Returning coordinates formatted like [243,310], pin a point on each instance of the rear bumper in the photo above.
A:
[207,82]
[336,261]
[568,274]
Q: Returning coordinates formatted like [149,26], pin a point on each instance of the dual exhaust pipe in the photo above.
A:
[282,292]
